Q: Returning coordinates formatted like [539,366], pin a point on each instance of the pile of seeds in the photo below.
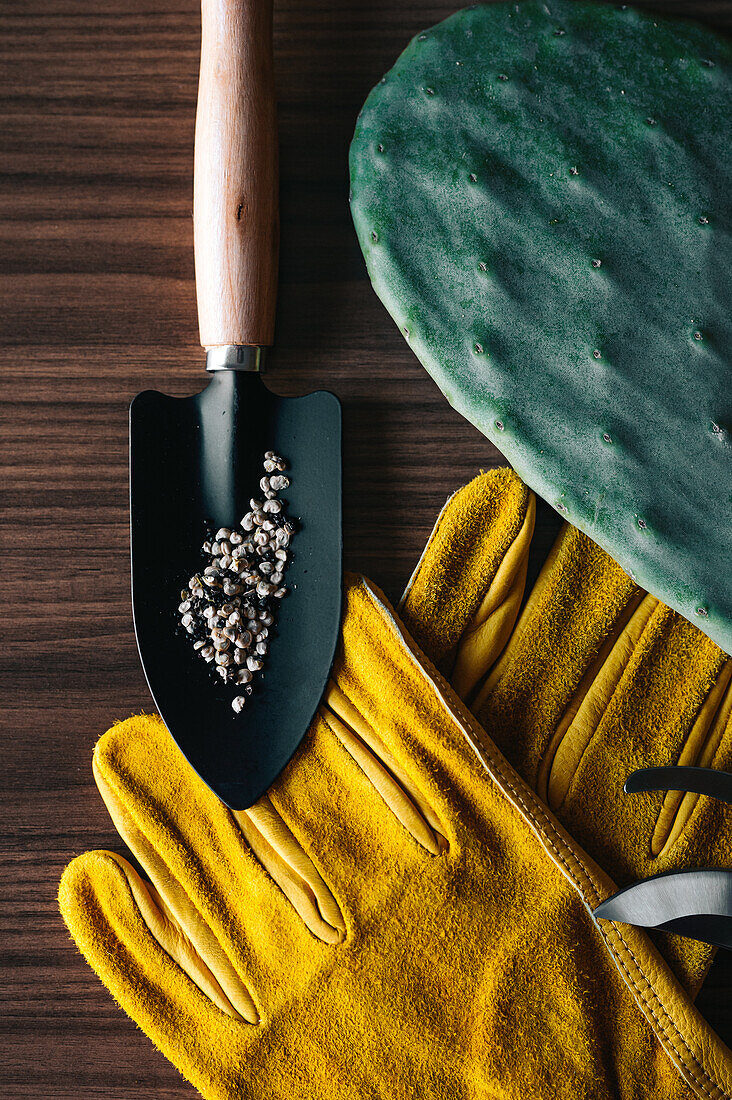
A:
[228,609]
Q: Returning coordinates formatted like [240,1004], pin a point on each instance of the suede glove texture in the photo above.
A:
[596,679]
[400,915]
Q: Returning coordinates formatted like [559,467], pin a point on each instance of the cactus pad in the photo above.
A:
[541,192]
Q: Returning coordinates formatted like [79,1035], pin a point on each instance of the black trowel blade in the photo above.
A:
[196,461]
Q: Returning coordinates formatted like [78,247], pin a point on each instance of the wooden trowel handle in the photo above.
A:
[235,211]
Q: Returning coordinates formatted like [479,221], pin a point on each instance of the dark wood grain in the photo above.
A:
[97,103]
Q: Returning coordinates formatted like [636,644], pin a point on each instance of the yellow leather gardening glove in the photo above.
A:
[399,917]
[596,679]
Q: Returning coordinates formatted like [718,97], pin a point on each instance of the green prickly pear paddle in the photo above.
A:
[541,192]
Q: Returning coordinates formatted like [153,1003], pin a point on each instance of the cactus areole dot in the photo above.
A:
[537,163]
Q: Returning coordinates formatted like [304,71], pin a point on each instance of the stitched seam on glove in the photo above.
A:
[576,871]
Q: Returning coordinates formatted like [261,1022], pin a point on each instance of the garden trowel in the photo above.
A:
[195,462]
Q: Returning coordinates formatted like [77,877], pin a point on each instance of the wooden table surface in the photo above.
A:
[97,105]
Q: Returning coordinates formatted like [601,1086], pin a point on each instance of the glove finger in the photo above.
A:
[144,959]
[668,702]
[194,945]
[599,679]
[662,697]
[356,809]
[578,608]
[103,899]
[387,775]
[289,865]
[195,852]
[594,657]
[463,598]
[375,784]
[709,745]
